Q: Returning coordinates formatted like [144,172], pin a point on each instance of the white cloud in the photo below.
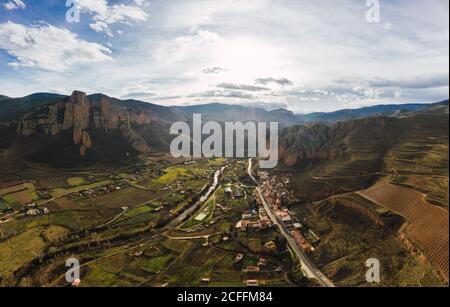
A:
[48,47]
[414,82]
[14,5]
[105,15]
[141,2]
[313,57]
[189,47]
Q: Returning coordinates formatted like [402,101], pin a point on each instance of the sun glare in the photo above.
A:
[246,59]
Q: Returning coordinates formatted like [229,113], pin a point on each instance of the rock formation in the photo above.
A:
[326,142]
[79,115]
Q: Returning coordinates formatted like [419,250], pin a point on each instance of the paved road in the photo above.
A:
[308,267]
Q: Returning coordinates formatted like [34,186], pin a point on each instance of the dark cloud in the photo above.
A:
[223,94]
[138,95]
[282,81]
[418,82]
[344,81]
[167,97]
[267,105]
[242,87]
[213,70]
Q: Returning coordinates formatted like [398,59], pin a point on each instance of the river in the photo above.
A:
[186,213]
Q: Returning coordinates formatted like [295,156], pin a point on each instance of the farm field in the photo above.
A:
[425,156]
[353,229]
[22,248]
[19,195]
[60,192]
[435,188]
[194,175]
[76,181]
[429,224]
[128,197]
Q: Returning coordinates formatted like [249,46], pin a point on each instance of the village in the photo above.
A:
[277,194]
[230,222]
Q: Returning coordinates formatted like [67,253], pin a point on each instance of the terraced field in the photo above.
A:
[422,156]
[19,194]
[429,228]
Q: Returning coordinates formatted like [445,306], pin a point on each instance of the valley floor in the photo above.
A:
[124,226]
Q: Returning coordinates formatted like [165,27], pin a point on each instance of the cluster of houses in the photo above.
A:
[44,194]
[106,189]
[277,195]
[234,192]
[33,210]
[222,209]
[262,266]
[255,219]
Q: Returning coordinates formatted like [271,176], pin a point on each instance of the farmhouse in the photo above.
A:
[246,225]
[252,283]
[301,241]
[237,193]
[262,262]
[33,212]
[239,257]
[228,191]
[284,216]
[252,269]
[270,245]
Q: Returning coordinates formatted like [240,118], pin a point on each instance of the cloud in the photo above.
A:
[368,92]
[138,95]
[14,5]
[223,94]
[259,43]
[415,82]
[105,15]
[48,47]
[242,87]
[282,81]
[188,48]
[141,2]
[213,70]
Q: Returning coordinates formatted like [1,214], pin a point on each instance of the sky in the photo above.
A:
[305,56]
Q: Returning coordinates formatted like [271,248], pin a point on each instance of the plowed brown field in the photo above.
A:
[429,228]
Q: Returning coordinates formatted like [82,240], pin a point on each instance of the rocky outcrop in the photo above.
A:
[86,143]
[79,115]
[313,142]
[326,142]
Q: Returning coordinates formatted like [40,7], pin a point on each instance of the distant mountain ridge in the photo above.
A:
[225,112]
[342,140]
[68,131]
[378,110]
[14,108]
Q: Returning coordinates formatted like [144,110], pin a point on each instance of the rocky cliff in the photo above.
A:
[326,142]
[80,117]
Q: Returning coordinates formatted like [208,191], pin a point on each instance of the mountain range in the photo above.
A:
[15,108]
[69,131]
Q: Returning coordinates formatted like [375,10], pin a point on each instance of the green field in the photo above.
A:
[203,216]
[19,250]
[76,181]
[59,192]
